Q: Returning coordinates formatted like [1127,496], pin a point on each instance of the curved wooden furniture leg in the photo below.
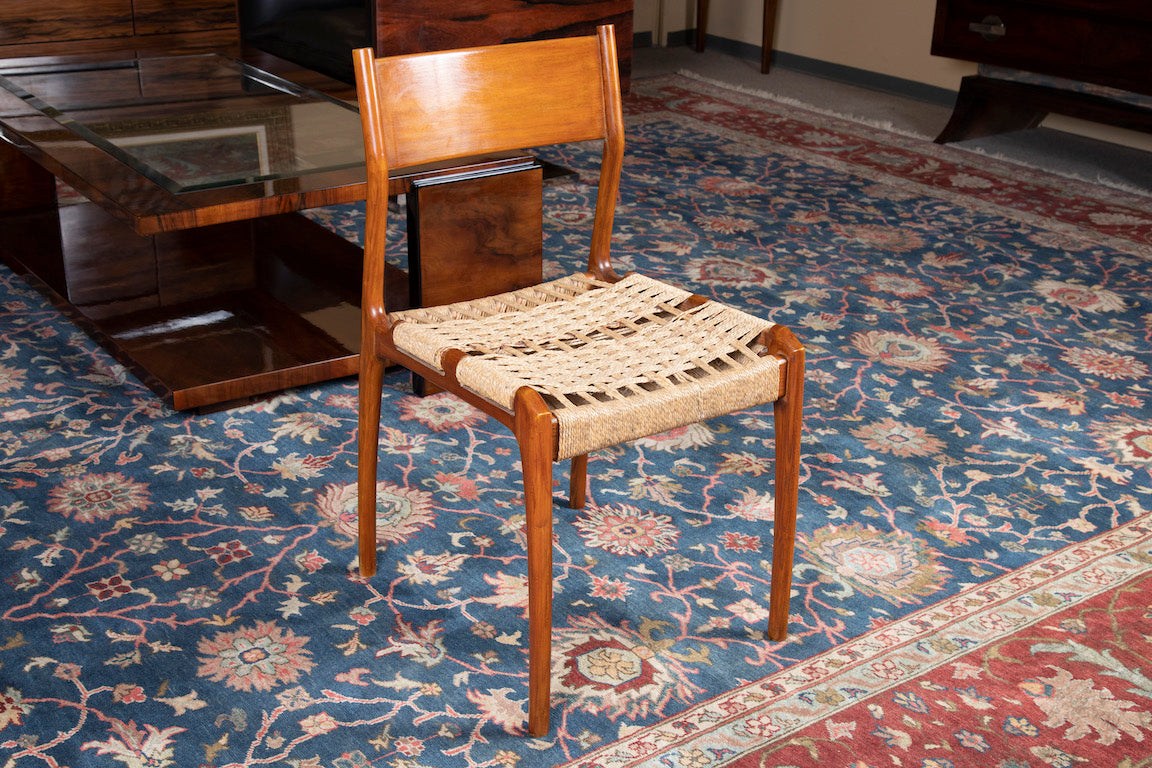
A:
[371,389]
[787,411]
[987,107]
[534,433]
[578,484]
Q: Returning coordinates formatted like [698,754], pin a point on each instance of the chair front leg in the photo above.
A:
[367,450]
[534,433]
[787,415]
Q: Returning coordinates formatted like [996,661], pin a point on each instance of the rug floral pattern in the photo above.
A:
[181,589]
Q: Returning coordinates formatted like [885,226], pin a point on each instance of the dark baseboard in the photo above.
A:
[853,76]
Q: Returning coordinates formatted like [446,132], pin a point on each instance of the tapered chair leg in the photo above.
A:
[534,430]
[578,483]
[371,390]
[787,411]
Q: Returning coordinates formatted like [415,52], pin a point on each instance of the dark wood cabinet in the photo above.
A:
[1099,42]
[321,34]
[1108,42]
[91,27]
[317,34]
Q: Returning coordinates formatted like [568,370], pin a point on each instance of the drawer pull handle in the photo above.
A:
[992,28]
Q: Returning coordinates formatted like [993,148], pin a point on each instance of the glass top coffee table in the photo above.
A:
[195,122]
[183,252]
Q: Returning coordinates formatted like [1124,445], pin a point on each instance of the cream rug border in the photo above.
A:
[758,713]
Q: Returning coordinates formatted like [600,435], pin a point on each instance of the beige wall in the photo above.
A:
[890,37]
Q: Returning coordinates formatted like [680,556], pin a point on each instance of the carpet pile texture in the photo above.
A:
[974,554]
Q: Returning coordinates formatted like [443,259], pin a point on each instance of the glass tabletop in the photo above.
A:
[195,122]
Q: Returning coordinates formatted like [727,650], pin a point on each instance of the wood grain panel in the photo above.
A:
[35,21]
[411,26]
[1076,39]
[161,17]
[224,41]
[475,237]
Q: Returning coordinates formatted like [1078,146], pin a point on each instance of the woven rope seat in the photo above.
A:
[614,361]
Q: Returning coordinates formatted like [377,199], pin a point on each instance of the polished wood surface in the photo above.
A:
[89,27]
[1108,42]
[787,414]
[143,205]
[1104,43]
[475,237]
[28,21]
[534,435]
[433,107]
[202,316]
[411,26]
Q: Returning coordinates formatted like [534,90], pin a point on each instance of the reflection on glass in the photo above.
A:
[196,122]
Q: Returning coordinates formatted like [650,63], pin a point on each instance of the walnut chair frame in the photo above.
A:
[593,326]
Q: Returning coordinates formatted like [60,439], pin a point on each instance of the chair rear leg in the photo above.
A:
[578,485]
[534,429]
[371,390]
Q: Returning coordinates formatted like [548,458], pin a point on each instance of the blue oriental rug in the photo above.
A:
[181,590]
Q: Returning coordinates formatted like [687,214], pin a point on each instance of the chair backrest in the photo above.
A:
[432,107]
[429,107]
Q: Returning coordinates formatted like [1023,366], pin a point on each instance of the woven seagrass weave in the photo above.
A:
[614,361]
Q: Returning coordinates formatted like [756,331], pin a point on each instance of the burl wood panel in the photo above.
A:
[163,17]
[36,21]
[205,316]
[475,237]
[409,26]
[115,28]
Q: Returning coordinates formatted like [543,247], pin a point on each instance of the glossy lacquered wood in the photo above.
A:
[205,316]
[429,107]
[29,21]
[474,237]
[1105,42]
[142,204]
[87,27]
[1109,43]
[412,26]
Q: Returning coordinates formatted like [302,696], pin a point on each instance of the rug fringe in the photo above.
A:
[886,125]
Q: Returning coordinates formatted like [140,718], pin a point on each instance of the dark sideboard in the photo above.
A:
[320,34]
[1098,45]
[317,34]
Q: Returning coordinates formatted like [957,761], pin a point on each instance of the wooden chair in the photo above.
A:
[573,365]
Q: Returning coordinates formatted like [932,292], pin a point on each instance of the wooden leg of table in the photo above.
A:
[701,24]
[769,35]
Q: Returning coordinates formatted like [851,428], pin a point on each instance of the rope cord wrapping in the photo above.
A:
[614,362]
